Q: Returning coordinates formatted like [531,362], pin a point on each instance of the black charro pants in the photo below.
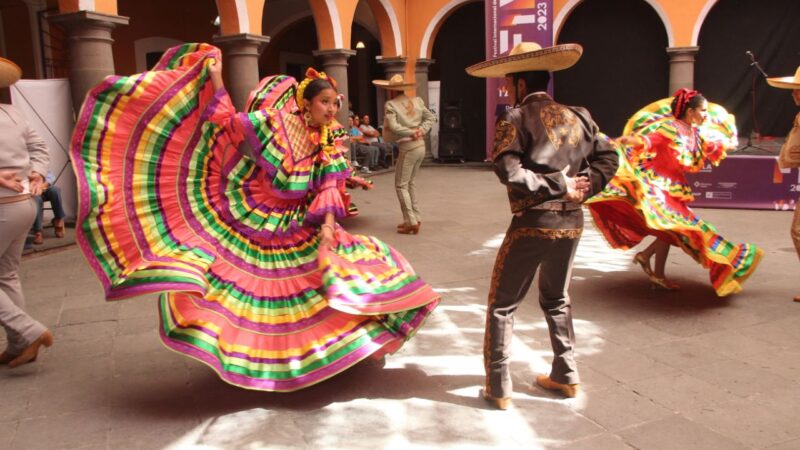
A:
[536,240]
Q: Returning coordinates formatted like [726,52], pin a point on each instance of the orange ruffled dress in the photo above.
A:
[650,195]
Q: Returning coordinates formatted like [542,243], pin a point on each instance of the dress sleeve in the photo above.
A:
[328,199]
[705,152]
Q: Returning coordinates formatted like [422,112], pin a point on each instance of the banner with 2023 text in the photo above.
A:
[509,22]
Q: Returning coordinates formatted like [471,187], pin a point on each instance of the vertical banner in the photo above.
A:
[509,22]
[434,95]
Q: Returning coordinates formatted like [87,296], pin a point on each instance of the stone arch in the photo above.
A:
[240,16]
[328,23]
[436,22]
[698,25]
[389,26]
[570,6]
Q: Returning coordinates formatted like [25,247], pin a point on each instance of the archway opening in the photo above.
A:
[459,43]
[723,70]
[624,64]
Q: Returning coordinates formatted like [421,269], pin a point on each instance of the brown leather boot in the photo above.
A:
[499,403]
[569,390]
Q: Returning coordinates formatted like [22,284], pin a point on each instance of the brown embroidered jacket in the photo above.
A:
[535,141]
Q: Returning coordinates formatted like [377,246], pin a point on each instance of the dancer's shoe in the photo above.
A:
[500,403]
[31,351]
[663,283]
[569,390]
[644,263]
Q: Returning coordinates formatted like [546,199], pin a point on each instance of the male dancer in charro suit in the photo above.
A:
[550,157]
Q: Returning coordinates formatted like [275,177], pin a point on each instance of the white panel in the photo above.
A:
[47,104]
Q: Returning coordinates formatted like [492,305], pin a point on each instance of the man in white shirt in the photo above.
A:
[372,137]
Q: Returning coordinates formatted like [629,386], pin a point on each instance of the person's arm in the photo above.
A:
[603,161]
[508,167]
[215,73]
[39,157]
[428,119]
[327,230]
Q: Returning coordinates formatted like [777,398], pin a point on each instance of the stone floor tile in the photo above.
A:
[732,343]
[135,325]
[85,331]
[680,392]
[630,408]
[63,431]
[677,433]
[636,335]
[680,355]
[624,365]
[604,441]
[740,378]
[67,397]
[747,422]
[793,444]
[88,314]
[7,431]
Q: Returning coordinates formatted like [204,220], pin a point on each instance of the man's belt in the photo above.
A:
[557,205]
[14,198]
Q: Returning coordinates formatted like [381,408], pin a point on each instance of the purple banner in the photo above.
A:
[746,182]
[509,22]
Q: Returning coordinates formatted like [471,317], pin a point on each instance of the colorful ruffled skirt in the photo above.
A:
[166,205]
[635,204]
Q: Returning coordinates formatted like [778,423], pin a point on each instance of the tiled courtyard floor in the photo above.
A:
[682,370]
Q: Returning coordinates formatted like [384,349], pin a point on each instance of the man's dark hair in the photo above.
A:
[534,81]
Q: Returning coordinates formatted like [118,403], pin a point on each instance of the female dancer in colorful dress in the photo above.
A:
[650,195]
[257,279]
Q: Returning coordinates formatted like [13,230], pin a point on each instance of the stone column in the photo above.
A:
[421,75]
[391,66]
[91,58]
[681,68]
[34,6]
[240,54]
[334,63]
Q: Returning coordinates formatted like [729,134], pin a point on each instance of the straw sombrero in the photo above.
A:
[527,57]
[10,73]
[396,83]
[786,82]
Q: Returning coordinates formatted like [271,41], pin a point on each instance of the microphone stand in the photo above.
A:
[755,127]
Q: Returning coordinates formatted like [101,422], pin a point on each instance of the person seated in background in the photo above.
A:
[367,155]
[51,193]
[373,137]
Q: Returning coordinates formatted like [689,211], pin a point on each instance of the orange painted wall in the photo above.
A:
[101,6]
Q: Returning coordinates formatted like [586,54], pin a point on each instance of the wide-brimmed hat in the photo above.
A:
[786,82]
[10,73]
[528,57]
[396,83]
